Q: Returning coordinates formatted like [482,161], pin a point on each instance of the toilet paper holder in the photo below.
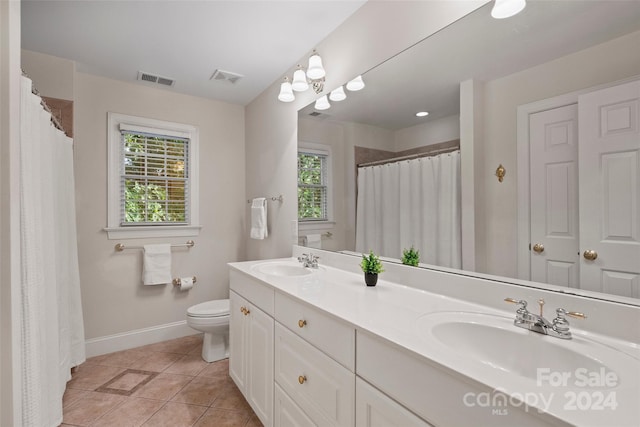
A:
[178,282]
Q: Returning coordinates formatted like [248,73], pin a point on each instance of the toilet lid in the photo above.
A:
[215,308]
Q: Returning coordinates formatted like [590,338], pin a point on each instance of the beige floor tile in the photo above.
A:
[174,414]
[179,345]
[231,399]
[197,349]
[201,391]
[216,369]
[71,395]
[216,417]
[189,364]
[122,359]
[163,387]
[156,362]
[90,377]
[89,408]
[132,413]
[254,421]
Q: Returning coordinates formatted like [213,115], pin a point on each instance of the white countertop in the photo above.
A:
[392,311]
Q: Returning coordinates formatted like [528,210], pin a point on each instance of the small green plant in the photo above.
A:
[371,263]
[411,257]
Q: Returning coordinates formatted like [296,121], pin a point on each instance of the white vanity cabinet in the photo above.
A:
[251,329]
[314,366]
[374,409]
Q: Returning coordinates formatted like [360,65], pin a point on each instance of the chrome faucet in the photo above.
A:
[559,328]
[309,260]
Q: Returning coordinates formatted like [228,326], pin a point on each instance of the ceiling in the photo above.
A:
[427,76]
[184,40]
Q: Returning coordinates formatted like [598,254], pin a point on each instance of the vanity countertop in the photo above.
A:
[395,313]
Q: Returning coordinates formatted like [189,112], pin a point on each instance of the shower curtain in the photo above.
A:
[411,203]
[51,312]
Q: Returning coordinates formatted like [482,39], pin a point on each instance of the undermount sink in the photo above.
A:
[494,342]
[282,269]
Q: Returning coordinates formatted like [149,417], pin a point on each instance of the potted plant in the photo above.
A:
[371,266]
[411,257]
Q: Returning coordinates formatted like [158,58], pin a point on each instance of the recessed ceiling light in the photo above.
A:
[422,113]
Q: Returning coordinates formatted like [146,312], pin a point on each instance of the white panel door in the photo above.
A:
[554,196]
[609,176]
[238,341]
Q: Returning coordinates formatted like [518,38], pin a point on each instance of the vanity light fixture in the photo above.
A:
[422,114]
[286,92]
[507,8]
[355,84]
[338,94]
[322,103]
[314,77]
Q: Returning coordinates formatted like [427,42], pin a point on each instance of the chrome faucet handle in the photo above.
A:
[541,304]
[522,314]
[561,324]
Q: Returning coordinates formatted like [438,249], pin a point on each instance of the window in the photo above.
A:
[314,189]
[152,178]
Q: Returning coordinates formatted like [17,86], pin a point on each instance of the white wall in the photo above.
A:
[432,132]
[600,64]
[359,44]
[114,301]
[50,74]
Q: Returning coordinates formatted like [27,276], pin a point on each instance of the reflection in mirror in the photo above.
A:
[531,60]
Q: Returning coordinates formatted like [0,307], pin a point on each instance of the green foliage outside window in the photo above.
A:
[155,179]
[312,188]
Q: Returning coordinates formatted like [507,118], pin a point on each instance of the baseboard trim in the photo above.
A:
[137,337]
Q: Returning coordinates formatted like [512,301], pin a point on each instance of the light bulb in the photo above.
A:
[338,94]
[355,84]
[507,8]
[286,93]
[322,103]
[315,70]
[299,83]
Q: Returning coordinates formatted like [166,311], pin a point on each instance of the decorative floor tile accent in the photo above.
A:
[126,383]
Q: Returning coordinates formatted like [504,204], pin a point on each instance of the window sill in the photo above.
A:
[316,225]
[152,231]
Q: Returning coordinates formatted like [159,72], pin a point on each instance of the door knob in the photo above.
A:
[590,255]
[538,248]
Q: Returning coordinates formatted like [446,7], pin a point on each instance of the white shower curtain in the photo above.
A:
[51,312]
[411,203]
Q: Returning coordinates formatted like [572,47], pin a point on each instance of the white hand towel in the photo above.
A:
[156,264]
[259,218]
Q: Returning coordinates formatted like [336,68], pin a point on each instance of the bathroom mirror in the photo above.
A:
[427,77]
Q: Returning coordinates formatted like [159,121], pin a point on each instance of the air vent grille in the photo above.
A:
[222,75]
[315,114]
[148,77]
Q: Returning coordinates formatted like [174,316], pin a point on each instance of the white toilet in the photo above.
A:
[212,318]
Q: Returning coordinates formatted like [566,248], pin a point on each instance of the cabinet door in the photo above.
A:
[287,413]
[260,364]
[238,341]
[374,409]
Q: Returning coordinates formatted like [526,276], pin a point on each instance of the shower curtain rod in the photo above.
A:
[410,157]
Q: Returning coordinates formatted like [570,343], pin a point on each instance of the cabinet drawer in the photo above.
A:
[261,295]
[321,387]
[373,408]
[287,413]
[335,338]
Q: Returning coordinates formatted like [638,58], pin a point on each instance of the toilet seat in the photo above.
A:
[215,308]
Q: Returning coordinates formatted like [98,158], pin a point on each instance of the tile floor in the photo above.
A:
[163,384]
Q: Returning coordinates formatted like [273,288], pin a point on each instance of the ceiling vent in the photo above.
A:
[228,76]
[315,114]
[148,77]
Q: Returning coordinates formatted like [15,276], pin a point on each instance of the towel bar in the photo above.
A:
[280,199]
[120,247]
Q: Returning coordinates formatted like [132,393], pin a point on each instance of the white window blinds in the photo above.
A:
[154,177]
[312,185]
